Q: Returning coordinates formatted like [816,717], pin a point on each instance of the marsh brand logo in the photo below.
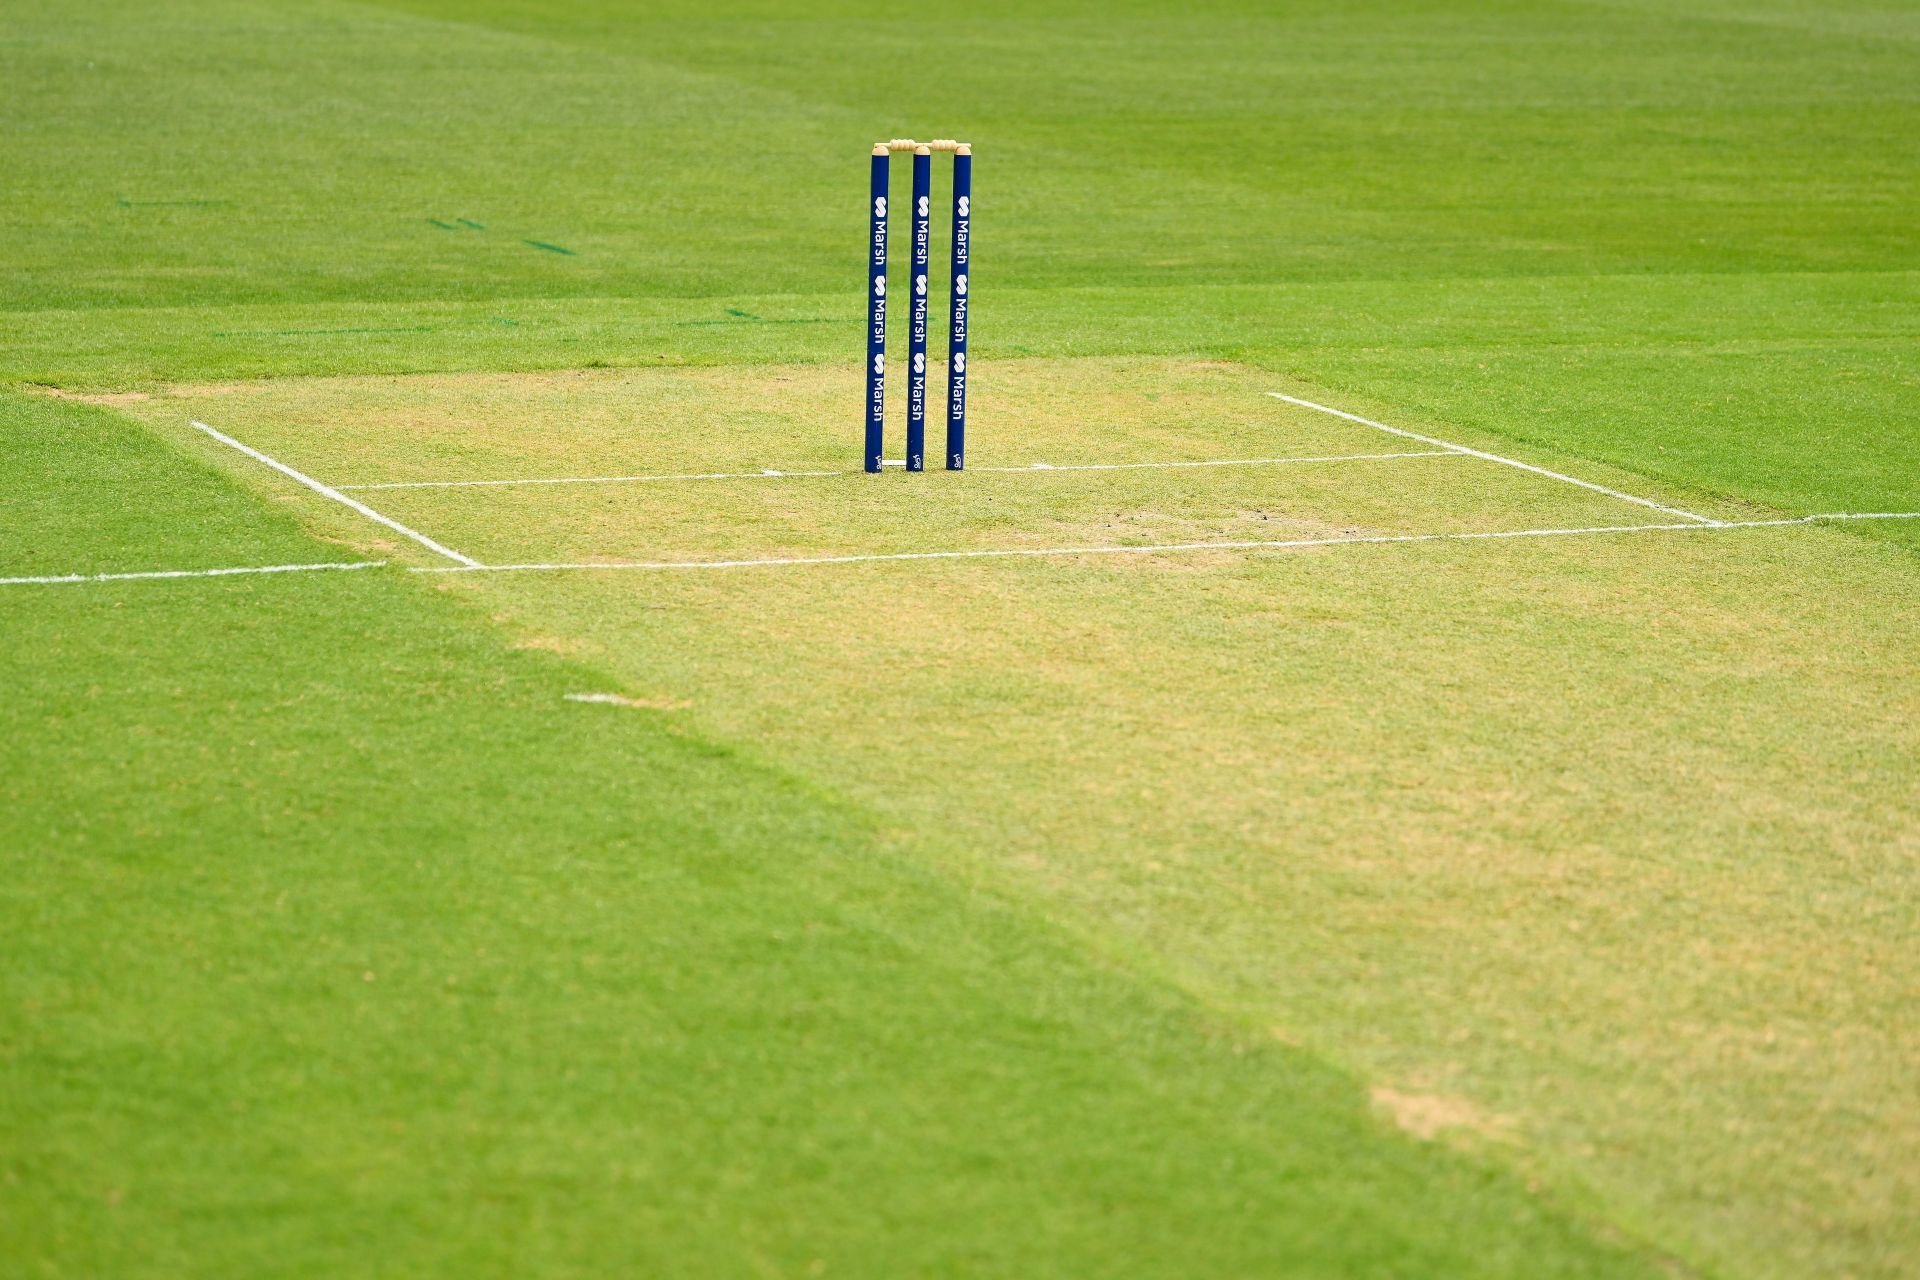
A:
[879,206]
[959,362]
[879,365]
[920,207]
[919,363]
[919,286]
[965,206]
[960,284]
[879,286]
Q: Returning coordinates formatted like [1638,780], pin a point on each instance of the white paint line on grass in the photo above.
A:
[769,473]
[1221,462]
[1493,457]
[1247,545]
[326,491]
[70,578]
[64,578]
[621,700]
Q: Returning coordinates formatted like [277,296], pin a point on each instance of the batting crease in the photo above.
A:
[771,474]
[1161,548]
[771,562]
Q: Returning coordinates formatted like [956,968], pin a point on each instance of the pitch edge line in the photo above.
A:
[771,474]
[326,491]
[1252,545]
[1494,457]
[63,578]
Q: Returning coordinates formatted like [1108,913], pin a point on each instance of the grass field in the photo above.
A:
[1399,756]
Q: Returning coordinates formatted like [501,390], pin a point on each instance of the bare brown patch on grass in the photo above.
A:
[89,397]
[1428,1116]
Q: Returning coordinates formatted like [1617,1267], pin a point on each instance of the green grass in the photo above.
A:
[339,941]
[1291,779]
[1037,917]
[65,464]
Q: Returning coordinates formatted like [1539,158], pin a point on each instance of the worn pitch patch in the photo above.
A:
[1429,1116]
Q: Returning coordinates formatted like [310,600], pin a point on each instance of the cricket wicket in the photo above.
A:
[918,284]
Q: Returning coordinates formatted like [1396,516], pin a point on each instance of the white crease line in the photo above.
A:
[1866,515]
[945,555]
[328,492]
[1494,457]
[781,475]
[188,573]
[622,700]
[478,484]
[1164,547]
[1220,462]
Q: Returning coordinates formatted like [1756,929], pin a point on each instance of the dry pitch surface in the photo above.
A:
[1597,846]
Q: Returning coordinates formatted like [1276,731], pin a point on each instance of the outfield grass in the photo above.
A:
[1532,907]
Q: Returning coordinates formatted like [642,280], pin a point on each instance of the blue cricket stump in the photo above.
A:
[877,309]
[957,326]
[917,327]
[916,459]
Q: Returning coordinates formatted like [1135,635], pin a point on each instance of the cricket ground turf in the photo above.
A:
[1400,756]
